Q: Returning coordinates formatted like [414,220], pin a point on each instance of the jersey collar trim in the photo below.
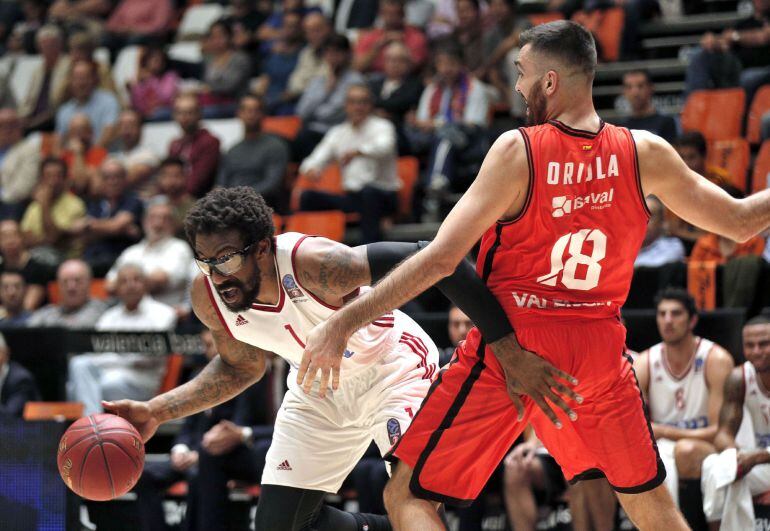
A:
[689,367]
[275,308]
[577,132]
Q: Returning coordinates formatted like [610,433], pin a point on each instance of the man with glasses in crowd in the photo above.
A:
[262,293]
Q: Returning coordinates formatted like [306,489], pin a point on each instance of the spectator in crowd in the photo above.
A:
[81,155]
[260,159]
[101,107]
[76,308]
[365,148]
[271,28]
[739,472]
[370,50]
[139,159]
[245,19]
[501,48]
[12,292]
[444,20]
[153,92]
[737,56]
[49,225]
[278,64]
[171,185]
[682,379]
[19,163]
[48,84]
[469,34]
[226,72]
[113,219]
[316,29]
[164,259]
[638,91]
[657,248]
[198,148]
[322,105]
[16,257]
[17,385]
[80,14]
[34,18]
[137,22]
[398,91]
[82,47]
[451,120]
[692,148]
[234,436]
[458,326]
[355,14]
[113,376]
[529,468]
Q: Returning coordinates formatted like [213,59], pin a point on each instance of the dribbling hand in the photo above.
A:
[526,373]
[137,413]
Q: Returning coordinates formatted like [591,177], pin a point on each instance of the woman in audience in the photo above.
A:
[226,75]
[153,93]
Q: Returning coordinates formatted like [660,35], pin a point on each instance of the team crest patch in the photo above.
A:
[394,430]
[698,364]
[291,287]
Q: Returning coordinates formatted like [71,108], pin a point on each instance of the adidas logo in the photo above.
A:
[285,465]
[240,320]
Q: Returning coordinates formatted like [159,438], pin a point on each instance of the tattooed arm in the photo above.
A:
[236,367]
[731,412]
[331,270]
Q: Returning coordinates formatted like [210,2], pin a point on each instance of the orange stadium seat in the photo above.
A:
[408,170]
[174,364]
[329,224]
[98,290]
[330,181]
[278,224]
[607,27]
[543,18]
[52,410]
[718,114]
[285,126]
[761,176]
[732,155]
[759,106]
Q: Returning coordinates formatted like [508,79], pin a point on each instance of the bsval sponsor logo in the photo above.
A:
[564,205]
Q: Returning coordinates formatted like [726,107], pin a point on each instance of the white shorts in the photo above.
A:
[317,442]
[727,500]
[666,452]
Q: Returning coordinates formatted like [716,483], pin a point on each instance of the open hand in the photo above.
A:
[323,351]
[526,373]
[137,413]
[181,461]
[222,438]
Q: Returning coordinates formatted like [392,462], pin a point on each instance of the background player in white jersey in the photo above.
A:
[732,477]
[261,293]
[682,379]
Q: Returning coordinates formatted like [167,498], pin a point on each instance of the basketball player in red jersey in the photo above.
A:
[561,213]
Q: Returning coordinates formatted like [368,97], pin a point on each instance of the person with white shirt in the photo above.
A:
[97,377]
[657,248]
[365,148]
[164,259]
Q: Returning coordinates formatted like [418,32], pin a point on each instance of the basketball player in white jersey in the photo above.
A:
[263,293]
[682,379]
[725,497]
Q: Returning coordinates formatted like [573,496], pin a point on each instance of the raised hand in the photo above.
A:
[526,373]
[323,351]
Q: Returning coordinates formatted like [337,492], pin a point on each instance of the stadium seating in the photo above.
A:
[607,27]
[718,114]
[734,156]
[174,365]
[329,181]
[285,126]
[58,411]
[197,20]
[329,224]
[761,176]
[126,69]
[98,290]
[759,106]
[408,171]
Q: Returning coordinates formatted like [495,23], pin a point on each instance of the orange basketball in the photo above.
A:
[100,457]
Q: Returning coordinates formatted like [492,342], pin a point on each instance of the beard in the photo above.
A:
[536,105]
[243,295]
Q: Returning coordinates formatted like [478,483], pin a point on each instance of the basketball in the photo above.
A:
[100,457]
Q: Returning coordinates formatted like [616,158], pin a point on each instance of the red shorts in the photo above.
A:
[467,422]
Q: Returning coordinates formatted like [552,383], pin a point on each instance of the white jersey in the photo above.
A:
[679,401]
[756,402]
[282,328]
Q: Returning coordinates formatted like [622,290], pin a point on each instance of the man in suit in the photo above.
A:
[17,386]
[227,442]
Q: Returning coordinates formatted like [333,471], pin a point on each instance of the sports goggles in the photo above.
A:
[226,265]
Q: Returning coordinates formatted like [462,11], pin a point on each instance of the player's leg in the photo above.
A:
[407,511]
[519,479]
[593,505]
[689,455]
[653,510]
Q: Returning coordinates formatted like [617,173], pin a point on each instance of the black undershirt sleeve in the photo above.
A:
[463,287]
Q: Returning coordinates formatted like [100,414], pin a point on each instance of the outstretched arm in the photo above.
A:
[694,198]
[235,368]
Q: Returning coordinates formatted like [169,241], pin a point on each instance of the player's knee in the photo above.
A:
[397,489]
[689,455]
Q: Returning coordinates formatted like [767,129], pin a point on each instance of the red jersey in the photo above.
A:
[571,251]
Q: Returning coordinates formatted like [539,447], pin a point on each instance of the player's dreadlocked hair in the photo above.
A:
[239,208]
